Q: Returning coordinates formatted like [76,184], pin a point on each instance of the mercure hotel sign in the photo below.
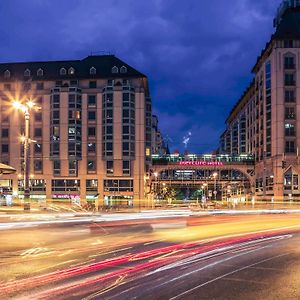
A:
[201,163]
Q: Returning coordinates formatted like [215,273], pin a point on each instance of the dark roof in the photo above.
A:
[51,69]
[287,29]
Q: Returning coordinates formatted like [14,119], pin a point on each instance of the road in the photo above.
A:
[197,257]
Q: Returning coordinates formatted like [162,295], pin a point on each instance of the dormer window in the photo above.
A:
[123,69]
[40,72]
[7,74]
[115,70]
[62,71]
[27,73]
[93,71]
[71,71]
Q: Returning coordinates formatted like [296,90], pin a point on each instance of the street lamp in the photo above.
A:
[25,109]
[215,175]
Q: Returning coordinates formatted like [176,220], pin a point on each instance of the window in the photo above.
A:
[5,148]
[7,86]
[91,131]
[123,69]
[289,129]
[289,147]
[91,115]
[289,62]
[7,74]
[93,71]
[115,70]
[91,147]
[118,185]
[38,165]
[58,83]
[289,79]
[40,72]
[37,148]
[288,44]
[91,165]
[91,100]
[72,167]
[126,167]
[38,116]
[56,167]
[37,132]
[92,185]
[290,113]
[62,71]
[26,86]
[109,167]
[71,71]
[289,96]
[65,185]
[4,132]
[40,86]
[27,73]
[93,84]
[73,83]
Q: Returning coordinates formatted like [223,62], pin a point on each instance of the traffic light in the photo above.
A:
[283,164]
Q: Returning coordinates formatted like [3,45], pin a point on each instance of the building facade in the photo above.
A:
[90,129]
[265,122]
[158,144]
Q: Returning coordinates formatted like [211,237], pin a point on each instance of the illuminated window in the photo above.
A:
[71,71]
[148,152]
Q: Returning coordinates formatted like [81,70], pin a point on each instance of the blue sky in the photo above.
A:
[197,54]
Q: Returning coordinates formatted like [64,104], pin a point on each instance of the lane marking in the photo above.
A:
[227,274]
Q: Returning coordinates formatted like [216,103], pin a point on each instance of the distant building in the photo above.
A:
[92,134]
[265,122]
[158,144]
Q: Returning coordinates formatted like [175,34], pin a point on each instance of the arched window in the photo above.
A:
[115,70]
[123,69]
[71,71]
[62,71]
[93,71]
[27,73]
[7,74]
[40,72]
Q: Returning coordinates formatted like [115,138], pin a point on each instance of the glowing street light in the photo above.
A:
[25,109]
[215,175]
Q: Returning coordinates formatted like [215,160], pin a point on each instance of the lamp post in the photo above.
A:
[25,108]
[215,174]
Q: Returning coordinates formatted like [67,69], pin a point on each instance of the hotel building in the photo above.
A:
[90,129]
[265,122]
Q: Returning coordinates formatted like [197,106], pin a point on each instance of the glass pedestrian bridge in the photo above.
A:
[202,160]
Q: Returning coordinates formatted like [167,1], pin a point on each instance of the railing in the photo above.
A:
[174,158]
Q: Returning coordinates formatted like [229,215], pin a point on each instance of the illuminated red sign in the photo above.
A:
[201,163]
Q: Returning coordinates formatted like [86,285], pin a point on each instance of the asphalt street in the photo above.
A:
[199,257]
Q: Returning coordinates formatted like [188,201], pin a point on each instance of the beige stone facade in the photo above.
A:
[92,134]
[265,122]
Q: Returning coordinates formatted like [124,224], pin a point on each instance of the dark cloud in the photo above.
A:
[197,54]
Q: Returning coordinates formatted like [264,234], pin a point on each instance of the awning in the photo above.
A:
[6,169]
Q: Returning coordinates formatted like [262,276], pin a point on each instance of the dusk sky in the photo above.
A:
[197,54]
